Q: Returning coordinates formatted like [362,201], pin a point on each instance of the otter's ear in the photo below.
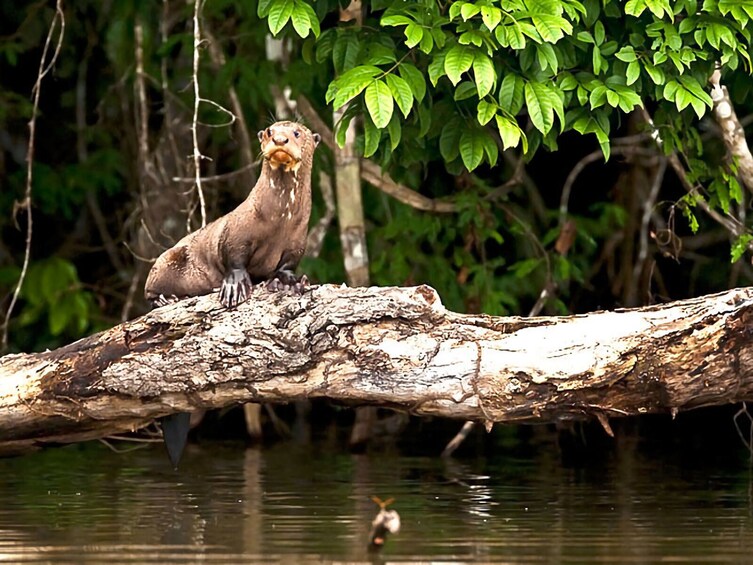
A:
[260,134]
[317,139]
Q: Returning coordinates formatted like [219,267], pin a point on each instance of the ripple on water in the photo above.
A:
[290,505]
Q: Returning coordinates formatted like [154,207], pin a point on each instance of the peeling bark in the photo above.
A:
[732,131]
[395,347]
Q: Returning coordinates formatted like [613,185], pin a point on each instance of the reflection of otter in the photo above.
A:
[263,238]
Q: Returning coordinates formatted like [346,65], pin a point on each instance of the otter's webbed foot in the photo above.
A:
[287,281]
[162,300]
[235,288]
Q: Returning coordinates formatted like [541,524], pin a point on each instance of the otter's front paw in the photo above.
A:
[287,281]
[235,288]
[162,300]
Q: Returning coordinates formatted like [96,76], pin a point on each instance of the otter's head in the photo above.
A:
[283,144]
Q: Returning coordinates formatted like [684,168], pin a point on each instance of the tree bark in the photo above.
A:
[395,347]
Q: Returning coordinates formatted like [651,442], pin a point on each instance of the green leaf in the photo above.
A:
[58,316]
[633,72]
[485,112]
[468,10]
[350,84]
[414,33]
[379,103]
[509,131]
[313,19]
[546,57]
[427,43]
[593,122]
[395,132]
[300,19]
[449,140]
[378,54]
[491,16]
[613,99]
[599,33]
[567,82]
[628,99]
[696,89]
[465,90]
[656,74]
[262,10]
[540,106]
[490,149]
[626,54]
[635,7]
[401,92]
[740,246]
[471,148]
[483,71]
[551,28]
[511,93]
[523,268]
[458,60]
[511,36]
[415,80]
[659,8]
[455,9]
[596,60]
[279,14]
[371,137]
[395,20]
[345,52]
[436,69]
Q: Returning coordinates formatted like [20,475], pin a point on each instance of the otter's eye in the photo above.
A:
[269,132]
[297,133]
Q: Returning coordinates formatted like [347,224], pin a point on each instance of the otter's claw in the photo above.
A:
[286,281]
[162,300]
[235,288]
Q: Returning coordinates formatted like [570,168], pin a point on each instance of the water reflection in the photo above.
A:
[297,504]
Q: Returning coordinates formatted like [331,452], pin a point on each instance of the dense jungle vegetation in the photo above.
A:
[570,143]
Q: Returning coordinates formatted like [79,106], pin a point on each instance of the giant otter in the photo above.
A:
[263,239]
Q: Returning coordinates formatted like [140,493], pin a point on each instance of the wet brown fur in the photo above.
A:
[264,234]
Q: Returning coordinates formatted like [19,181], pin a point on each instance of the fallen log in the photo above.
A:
[394,347]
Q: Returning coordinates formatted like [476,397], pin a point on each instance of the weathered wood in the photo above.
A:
[394,347]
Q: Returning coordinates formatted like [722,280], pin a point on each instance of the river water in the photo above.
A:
[310,504]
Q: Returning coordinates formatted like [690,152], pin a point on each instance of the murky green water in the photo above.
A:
[289,504]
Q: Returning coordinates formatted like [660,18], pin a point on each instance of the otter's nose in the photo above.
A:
[279,139]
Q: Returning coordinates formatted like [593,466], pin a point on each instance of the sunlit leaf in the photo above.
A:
[279,14]
[401,92]
[540,108]
[457,61]
[483,71]
[379,103]
[485,112]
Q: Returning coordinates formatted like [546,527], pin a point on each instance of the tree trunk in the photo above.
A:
[395,347]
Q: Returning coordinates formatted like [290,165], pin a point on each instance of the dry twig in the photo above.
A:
[44,68]
[197,156]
